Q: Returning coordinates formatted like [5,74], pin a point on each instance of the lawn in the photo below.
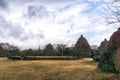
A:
[84,69]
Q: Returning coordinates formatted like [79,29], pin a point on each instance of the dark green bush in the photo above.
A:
[15,57]
[106,62]
[67,52]
[51,58]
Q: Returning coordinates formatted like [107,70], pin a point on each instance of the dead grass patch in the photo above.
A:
[84,69]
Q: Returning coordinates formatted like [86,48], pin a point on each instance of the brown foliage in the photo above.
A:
[82,47]
[82,44]
[114,42]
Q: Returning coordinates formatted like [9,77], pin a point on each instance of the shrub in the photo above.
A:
[106,62]
[51,58]
[15,57]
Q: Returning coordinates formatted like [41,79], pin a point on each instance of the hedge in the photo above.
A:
[45,58]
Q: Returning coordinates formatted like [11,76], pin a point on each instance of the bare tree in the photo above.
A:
[112,11]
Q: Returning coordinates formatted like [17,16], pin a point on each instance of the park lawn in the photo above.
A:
[83,69]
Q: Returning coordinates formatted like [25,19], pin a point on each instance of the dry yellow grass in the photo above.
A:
[84,69]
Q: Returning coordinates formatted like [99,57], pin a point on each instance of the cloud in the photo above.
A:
[33,23]
[36,11]
[16,34]
[3,4]
[9,29]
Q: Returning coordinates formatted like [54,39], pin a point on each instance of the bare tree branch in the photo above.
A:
[112,12]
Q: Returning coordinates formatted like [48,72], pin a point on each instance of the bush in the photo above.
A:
[96,58]
[51,58]
[15,57]
[106,62]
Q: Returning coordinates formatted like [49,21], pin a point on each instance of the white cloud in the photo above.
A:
[54,22]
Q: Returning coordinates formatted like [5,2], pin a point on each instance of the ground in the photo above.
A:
[84,69]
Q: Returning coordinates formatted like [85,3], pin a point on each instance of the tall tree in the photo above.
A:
[82,47]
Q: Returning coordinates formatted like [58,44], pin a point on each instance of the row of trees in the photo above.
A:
[6,48]
[60,50]
[81,48]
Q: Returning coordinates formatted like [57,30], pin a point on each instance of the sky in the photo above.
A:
[33,23]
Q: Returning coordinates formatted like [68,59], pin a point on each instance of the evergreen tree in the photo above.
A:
[82,47]
[103,46]
[49,50]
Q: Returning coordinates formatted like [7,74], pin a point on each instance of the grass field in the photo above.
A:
[84,69]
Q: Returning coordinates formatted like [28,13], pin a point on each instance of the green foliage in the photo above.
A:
[3,53]
[95,54]
[80,53]
[29,52]
[12,53]
[15,57]
[107,63]
[103,46]
[67,52]
[76,52]
[49,50]
[15,52]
